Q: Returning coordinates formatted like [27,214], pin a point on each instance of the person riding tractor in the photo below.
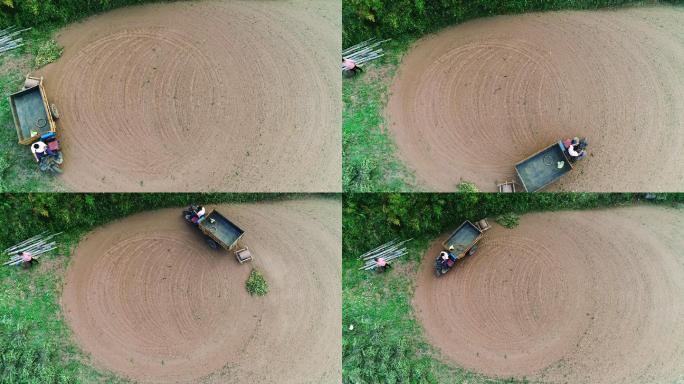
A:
[447,259]
[576,148]
[47,153]
[195,214]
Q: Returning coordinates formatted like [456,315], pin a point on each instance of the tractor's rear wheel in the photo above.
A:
[472,250]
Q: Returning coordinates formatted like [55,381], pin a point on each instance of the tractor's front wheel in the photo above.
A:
[212,244]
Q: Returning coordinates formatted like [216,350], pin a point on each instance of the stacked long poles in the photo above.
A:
[364,52]
[9,39]
[37,245]
[389,251]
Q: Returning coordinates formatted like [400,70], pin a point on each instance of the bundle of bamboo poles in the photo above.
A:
[364,52]
[37,245]
[9,38]
[389,251]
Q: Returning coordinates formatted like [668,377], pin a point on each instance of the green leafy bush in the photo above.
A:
[363,19]
[256,284]
[47,52]
[508,220]
[37,13]
[467,187]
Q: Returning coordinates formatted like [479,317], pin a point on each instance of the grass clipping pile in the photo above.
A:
[147,299]
[565,297]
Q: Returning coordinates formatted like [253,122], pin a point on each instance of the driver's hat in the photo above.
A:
[38,147]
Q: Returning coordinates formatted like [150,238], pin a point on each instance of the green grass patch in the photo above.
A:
[369,163]
[256,284]
[32,335]
[18,170]
[508,220]
[35,342]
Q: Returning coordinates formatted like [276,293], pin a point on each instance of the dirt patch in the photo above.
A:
[472,101]
[190,96]
[566,297]
[149,300]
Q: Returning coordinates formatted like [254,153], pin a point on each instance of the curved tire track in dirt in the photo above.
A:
[578,297]
[149,300]
[190,96]
[473,100]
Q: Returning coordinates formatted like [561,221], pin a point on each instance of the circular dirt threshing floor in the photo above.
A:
[472,101]
[195,96]
[565,297]
[147,299]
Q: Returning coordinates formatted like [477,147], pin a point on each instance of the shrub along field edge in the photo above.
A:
[34,13]
[363,19]
[381,339]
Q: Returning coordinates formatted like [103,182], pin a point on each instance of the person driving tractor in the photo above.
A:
[39,150]
[447,258]
[576,148]
[197,214]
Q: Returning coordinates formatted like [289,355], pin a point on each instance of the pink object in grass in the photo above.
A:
[26,256]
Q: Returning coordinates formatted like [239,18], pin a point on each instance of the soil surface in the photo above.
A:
[566,297]
[472,101]
[195,96]
[149,300]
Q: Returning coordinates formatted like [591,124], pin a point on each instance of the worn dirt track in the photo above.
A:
[195,96]
[566,297]
[471,101]
[147,299]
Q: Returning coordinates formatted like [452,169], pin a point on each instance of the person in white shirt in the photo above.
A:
[39,150]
